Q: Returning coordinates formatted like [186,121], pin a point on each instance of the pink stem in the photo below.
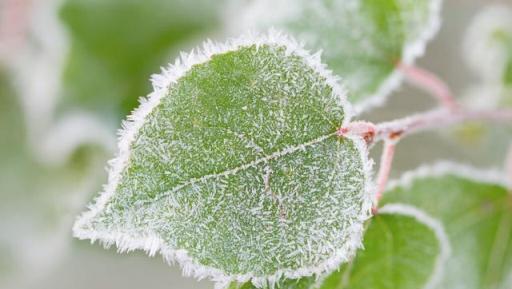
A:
[438,118]
[386,162]
[14,16]
[431,83]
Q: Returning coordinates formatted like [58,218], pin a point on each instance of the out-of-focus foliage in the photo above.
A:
[36,201]
[488,53]
[477,216]
[117,44]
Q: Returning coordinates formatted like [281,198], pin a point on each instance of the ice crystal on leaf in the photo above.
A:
[233,168]
[404,249]
[362,40]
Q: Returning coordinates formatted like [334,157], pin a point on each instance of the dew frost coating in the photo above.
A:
[361,40]
[239,168]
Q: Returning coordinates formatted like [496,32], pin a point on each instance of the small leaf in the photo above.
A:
[362,40]
[401,252]
[476,209]
[233,167]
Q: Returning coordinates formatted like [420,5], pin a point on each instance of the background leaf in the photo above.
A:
[362,40]
[36,202]
[117,44]
[237,165]
[477,215]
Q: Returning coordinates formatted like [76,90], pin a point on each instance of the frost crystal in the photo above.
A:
[233,169]
[361,40]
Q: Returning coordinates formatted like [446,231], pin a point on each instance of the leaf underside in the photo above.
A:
[399,253]
[362,40]
[239,166]
[478,220]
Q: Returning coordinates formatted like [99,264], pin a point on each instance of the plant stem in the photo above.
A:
[438,118]
[431,83]
[391,132]
[386,162]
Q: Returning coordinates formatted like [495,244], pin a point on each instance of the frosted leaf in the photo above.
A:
[232,167]
[404,249]
[475,208]
[362,40]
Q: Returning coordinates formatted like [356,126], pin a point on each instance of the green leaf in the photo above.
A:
[476,209]
[117,44]
[400,252]
[234,169]
[361,40]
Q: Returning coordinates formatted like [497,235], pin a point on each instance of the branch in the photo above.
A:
[385,169]
[431,83]
[436,119]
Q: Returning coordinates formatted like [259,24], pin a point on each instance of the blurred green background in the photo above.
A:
[70,72]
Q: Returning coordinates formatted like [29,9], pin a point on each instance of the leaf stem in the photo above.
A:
[391,132]
[438,118]
[431,83]
[386,162]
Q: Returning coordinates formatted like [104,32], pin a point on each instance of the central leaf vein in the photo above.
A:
[265,159]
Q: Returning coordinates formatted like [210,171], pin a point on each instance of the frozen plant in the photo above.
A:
[247,163]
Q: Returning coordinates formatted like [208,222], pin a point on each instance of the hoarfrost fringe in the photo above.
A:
[412,51]
[151,243]
[489,176]
[280,10]
[438,229]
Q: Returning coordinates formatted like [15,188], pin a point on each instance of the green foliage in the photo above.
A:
[489,52]
[399,253]
[117,44]
[477,216]
[362,40]
[33,198]
[234,168]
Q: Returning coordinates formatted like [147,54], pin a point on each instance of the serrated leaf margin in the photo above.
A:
[161,83]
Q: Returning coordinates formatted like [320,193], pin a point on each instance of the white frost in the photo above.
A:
[490,176]
[161,83]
